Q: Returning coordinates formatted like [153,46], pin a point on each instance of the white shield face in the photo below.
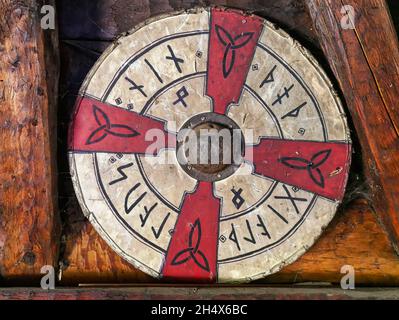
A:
[238,204]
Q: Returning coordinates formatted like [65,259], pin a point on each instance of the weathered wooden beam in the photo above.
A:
[200,293]
[365,60]
[28,96]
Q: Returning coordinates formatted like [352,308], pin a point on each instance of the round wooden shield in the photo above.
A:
[215,71]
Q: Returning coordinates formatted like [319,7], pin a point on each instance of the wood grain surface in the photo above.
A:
[365,61]
[200,293]
[29,229]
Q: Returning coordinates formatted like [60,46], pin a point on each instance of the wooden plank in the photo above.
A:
[378,40]
[200,293]
[366,63]
[28,94]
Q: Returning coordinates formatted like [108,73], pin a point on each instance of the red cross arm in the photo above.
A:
[318,167]
[232,44]
[101,127]
[192,252]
